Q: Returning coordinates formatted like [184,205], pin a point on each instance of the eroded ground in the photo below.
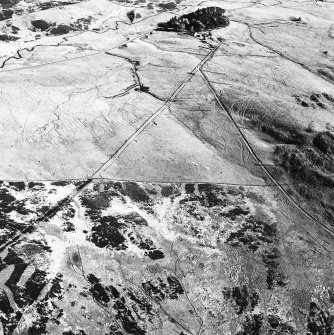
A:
[162,183]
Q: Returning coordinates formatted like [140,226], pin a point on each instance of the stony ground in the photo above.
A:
[156,182]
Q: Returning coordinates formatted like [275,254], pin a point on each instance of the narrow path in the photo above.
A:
[150,120]
[255,156]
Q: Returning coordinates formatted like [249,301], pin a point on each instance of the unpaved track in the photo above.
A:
[150,120]
[264,168]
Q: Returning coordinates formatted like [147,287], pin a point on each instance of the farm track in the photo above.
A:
[263,167]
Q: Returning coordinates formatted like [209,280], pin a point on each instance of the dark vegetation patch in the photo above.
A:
[26,251]
[24,296]
[20,255]
[12,257]
[68,214]
[15,29]
[169,191]
[41,25]
[134,219]
[108,232]
[97,290]
[278,326]
[319,322]
[227,202]
[6,14]
[135,192]
[46,309]
[8,38]
[235,212]
[306,164]
[8,317]
[130,309]
[6,4]
[160,289]
[258,235]
[14,279]
[253,234]
[5,306]
[145,244]
[76,332]
[168,6]
[327,73]
[200,20]
[55,4]
[280,131]
[190,205]
[52,28]
[324,141]
[189,188]
[19,206]
[83,23]
[255,324]
[81,184]
[2,264]
[35,284]
[6,200]
[38,245]
[131,15]
[275,277]
[155,254]
[116,232]
[311,168]
[17,185]
[321,100]
[36,186]
[243,300]
[61,183]
[252,325]
[209,196]
[8,203]
[68,226]
[62,29]
[94,203]
[254,196]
